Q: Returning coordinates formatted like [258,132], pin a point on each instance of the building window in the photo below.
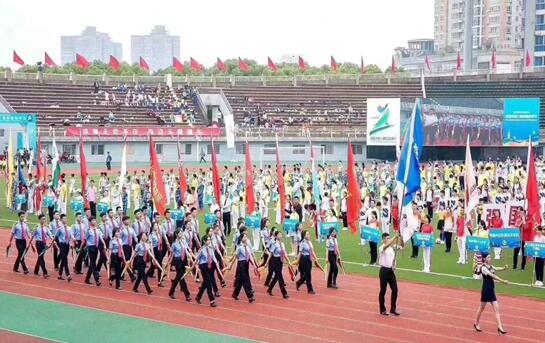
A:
[209,149]
[159,149]
[358,149]
[240,148]
[97,149]
[70,149]
[269,149]
[299,149]
[187,149]
[327,149]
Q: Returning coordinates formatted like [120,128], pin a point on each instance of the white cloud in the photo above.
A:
[207,29]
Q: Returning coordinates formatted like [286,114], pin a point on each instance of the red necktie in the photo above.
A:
[160,241]
[119,248]
[169,228]
[130,237]
[96,237]
[80,232]
[248,258]
[44,237]
[145,252]
[67,235]
[209,258]
[183,251]
[24,231]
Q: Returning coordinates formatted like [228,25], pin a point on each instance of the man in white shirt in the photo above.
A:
[387,272]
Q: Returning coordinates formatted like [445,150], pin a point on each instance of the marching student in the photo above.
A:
[306,252]
[128,239]
[245,257]
[159,241]
[54,226]
[277,256]
[42,236]
[488,293]
[181,255]
[64,239]
[106,231]
[539,238]
[332,247]
[206,259]
[21,233]
[142,253]
[169,226]
[78,235]
[387,272]
[215,234]
[117,257]
[427,228]
[93,240]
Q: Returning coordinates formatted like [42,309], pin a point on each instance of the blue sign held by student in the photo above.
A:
[76,206]
[478,244]
[370,234]
[508,238]
[253,222]
[290,225]
[325,227]
[424,240]
[177,214]
[535,249]
[210,218]
[103,207]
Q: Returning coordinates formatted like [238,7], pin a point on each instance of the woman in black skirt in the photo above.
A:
[306,254]
[488,292]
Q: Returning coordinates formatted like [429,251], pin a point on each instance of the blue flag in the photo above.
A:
[408,172]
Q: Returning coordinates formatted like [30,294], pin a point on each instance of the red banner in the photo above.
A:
[143,132]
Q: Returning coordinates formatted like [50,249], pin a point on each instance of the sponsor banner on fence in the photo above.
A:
[478,244]
[143,132]
[371,234]
[383,121]
[508,238]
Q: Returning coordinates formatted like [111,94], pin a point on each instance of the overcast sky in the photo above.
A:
[250,29]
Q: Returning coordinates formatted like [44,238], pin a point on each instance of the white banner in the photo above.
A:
[383,121]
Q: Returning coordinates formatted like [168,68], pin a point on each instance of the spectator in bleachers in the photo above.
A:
[96,87]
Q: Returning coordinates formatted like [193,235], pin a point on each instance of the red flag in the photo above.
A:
[243,65]
[272,65]
[459,62]
[196,66]
[528,59]
[83,170]
[182,174]
[216,174]
[493,61]
[17,59]
[114,63]
[49,61]
[82,61]
[393,67]
[334,65]
[354,195]
[250,195]
[363,70]
[158,192]
[145,67]
[281,185]
[302,64]
[221,66]
[427,61]
[39,162]
[532,191]
[179,66]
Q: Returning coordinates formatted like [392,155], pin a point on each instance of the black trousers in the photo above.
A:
[333,268]
[373,251]
[278,277]
[429,204]
[102,259]
[539,269]
[56,257]
[180,266]
[243,279]
[93,208]
[79,259]
[448,240]
[414,253]
[63,256]
[345,219]
[20,244]
[92,270]
[270,272]
[206,284]
[305,268]
[40,262]
[217,269]
[127,251]
[108,165]
[142,276]
[387,277]
[227,223]
[159,257]
[115,264]
[516,257]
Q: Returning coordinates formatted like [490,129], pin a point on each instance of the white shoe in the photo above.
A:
[539,284]
[459,262]
[345,229]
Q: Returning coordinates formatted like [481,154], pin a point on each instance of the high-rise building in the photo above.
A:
[534,30]
[495,24]
[158,48]
[91,44]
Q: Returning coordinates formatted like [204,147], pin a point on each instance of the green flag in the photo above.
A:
[55,165]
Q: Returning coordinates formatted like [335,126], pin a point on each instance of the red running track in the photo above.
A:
[349,314]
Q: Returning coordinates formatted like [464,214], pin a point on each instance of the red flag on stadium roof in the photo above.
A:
[493,61]
[49,61]
[17,59]
[334,65]
[393,67]
[302,64]
[250,195]
[196,66]
[179,66]
[221,65]
[532,190]
[272,65]
[158,192]
[83,170]
[528,59]
[145,66]
[215,173]
[281,185]
[354,195]
[114,63]
[427,61]
[82,61]
[243,65]
[459,62]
